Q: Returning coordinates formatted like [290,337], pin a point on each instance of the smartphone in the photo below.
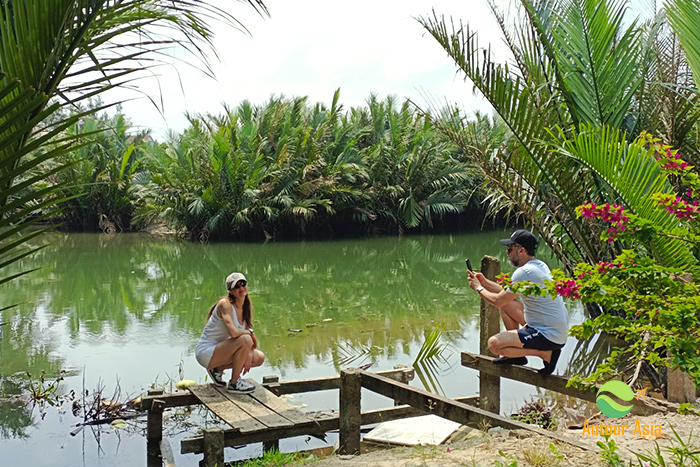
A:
[469,265]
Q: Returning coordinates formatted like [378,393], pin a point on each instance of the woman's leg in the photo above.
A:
[232,353]
[256,358]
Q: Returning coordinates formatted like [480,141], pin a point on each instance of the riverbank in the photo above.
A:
[522,448]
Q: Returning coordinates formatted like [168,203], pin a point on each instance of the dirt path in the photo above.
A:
[527,449]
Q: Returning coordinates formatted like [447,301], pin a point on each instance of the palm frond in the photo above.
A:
[599,60]
[631,174]
[684,16]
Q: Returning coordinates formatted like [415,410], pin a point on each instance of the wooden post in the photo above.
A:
[489,324]
[680,388]
[271,381]
[404,378]
[213,448]
[154,428]
[272,384]
[273,446]
[350,418]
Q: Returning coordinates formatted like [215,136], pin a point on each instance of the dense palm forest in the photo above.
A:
[286,168]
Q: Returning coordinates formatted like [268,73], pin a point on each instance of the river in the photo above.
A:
[123,312]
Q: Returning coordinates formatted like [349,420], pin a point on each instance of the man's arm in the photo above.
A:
[497,299]
[489,285]
[490,290]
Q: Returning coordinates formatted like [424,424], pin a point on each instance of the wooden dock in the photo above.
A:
[259,416]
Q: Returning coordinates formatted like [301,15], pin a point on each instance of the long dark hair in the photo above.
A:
[247,309]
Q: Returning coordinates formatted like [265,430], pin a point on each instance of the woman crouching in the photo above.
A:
[228,340]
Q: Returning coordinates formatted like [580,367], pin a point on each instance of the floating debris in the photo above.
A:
[185,383]
[119,423]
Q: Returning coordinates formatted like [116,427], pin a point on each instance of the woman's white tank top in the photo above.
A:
[215,330]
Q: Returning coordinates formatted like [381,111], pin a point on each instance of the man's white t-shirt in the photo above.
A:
[548,316]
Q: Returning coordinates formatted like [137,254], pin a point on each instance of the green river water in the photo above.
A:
[125,311]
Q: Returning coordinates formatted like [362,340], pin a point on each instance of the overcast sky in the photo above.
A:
[311,48]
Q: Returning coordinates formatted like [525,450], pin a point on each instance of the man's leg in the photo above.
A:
[507,343]
[512,315]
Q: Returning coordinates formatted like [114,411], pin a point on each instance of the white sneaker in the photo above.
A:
[217,376]
[240,386]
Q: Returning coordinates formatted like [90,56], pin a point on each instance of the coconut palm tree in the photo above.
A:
[667,106]
[684,16]
[575,63]
[54,55]
[257,170]
[287,168]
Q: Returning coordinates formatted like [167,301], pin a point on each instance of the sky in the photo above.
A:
[311,48]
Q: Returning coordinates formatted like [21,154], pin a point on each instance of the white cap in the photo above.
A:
[233,279]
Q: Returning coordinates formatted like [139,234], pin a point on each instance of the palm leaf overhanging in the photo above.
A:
[630,174]
[684,16]
[575,62]
[59,53]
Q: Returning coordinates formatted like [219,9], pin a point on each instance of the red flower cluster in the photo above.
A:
[603,266]
[671,160]
[678,206]
[568,288]
[612,214]
[583,274]
[504,280]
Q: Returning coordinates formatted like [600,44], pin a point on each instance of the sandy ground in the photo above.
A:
[528,449]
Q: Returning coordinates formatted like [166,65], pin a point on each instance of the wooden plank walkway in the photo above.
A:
[253,417]
[258,410]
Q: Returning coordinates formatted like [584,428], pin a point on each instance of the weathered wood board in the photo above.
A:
[425,430]
[248,412]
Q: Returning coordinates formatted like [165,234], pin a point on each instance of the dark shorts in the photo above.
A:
[532,339]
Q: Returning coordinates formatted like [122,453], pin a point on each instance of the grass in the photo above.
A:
[540,456]
[427,453]
[274,458]
[681,453]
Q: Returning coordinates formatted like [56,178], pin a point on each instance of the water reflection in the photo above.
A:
[590,353]
[373,294]
[15,418]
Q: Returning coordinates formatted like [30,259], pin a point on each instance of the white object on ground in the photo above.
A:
[426,429]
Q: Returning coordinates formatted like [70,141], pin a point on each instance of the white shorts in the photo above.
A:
[204,352]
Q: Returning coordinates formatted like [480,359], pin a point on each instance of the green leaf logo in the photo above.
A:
[607,405]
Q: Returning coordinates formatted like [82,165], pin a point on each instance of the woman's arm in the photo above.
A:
[225,310]
[255,339]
